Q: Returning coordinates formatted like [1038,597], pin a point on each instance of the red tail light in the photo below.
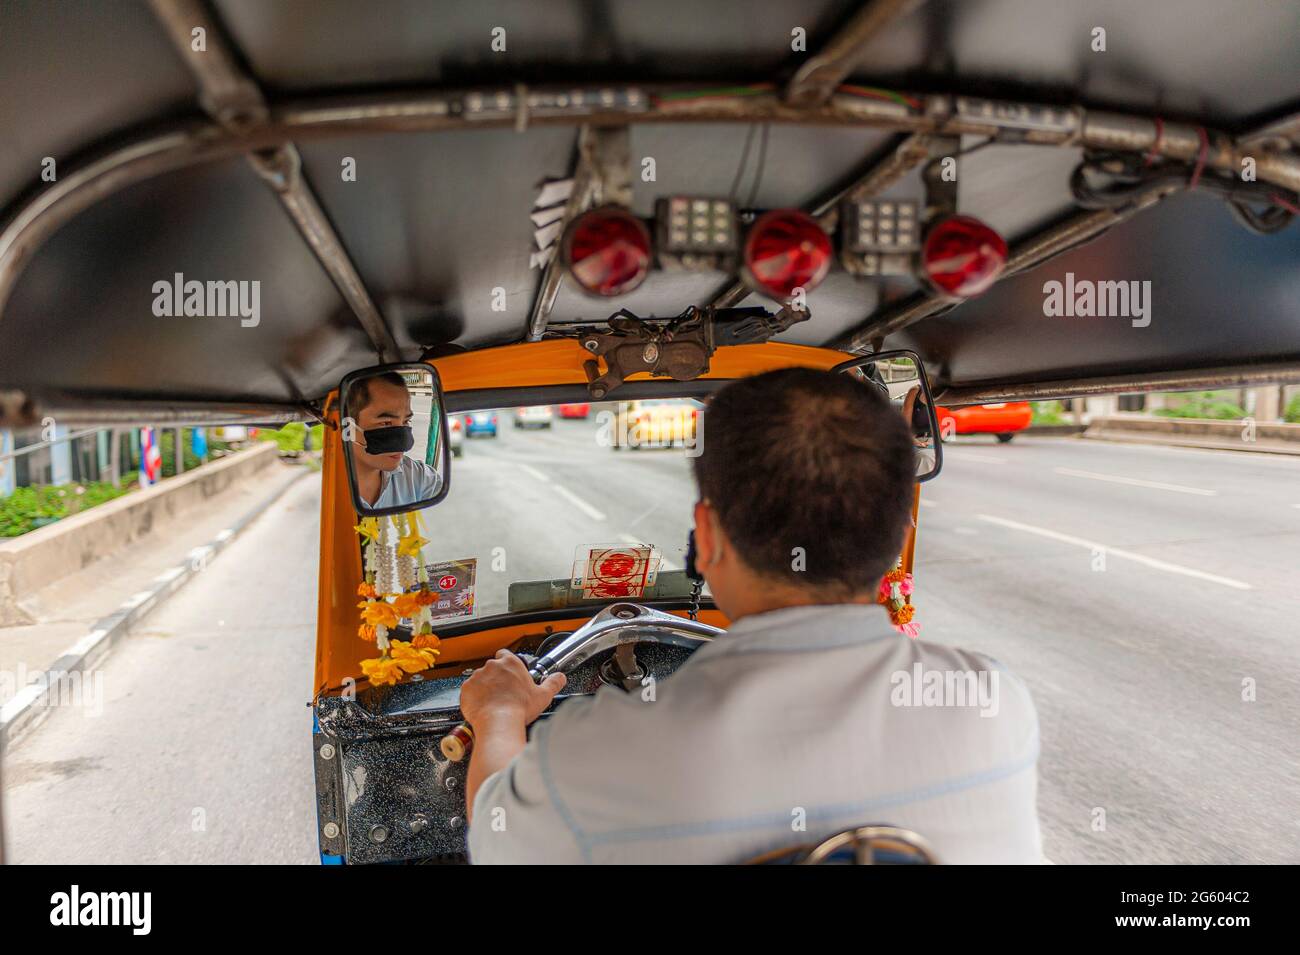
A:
[607,251]
[784,250]
[962,256]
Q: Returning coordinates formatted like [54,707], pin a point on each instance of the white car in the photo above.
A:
[534,416]
[456,434]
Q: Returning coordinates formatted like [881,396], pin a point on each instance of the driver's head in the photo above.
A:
[806,482]
[379,402]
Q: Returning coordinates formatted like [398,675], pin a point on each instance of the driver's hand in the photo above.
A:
[502,690]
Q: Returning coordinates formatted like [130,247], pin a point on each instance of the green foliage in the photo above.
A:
[169,451]
[1204,404]
[1048,412]
[1292,413]
[28,508]
[292,436]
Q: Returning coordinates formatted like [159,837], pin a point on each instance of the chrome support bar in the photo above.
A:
[601,175]
[192,144]
[282,170]
[817,79]
[232,98]
[18,410]
[226,92]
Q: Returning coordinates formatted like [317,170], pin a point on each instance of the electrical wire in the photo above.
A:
[1113,180]
[744,161]
[875,92]
[762,164]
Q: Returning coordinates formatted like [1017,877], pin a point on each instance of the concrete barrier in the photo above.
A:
[1054,430]
[39,557]
[1245,434]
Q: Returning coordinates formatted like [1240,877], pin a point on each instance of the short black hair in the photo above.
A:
[359,393]
[814,460]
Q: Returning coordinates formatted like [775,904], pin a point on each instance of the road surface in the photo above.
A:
[1136,590]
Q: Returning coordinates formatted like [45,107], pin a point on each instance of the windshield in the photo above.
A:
[598,495]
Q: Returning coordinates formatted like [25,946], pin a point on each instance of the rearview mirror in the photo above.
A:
[394,429]
[900,377]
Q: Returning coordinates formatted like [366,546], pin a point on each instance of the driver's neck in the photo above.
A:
[370,482]
[760,595]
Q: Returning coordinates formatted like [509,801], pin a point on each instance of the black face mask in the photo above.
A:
[388,440]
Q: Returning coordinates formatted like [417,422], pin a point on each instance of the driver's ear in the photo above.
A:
[708,543]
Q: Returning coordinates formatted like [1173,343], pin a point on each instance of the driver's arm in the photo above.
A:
[499,701]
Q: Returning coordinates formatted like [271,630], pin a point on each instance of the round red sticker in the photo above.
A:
[446,582]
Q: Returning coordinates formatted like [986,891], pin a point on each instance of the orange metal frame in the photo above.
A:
[339,650]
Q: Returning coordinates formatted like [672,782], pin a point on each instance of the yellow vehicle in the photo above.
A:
[656,423]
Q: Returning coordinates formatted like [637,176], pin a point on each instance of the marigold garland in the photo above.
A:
[895,591]
[392,547]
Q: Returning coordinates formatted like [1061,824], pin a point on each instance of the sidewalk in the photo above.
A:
[78,615]
[1262,446]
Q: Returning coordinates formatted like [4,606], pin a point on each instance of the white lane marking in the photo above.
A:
[534,473]
[578,502]
[564,492]
[1136,482]
[1116,552]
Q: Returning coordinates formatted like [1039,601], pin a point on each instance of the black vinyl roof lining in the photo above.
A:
[437,222]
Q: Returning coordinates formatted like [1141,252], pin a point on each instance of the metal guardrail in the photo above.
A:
[19,452]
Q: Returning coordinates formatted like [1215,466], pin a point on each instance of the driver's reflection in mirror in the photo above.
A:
[385,475]
[810,715]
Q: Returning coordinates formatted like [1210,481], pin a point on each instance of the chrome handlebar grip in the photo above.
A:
[616,624]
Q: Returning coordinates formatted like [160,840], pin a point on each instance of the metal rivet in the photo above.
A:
[455,822]
[331,830]
[327,751]
[450,782]
[378,834]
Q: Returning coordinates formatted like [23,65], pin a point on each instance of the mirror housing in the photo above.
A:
[393,424]
[900,376]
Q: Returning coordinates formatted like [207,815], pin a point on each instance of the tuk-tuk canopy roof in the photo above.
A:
[125,162]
